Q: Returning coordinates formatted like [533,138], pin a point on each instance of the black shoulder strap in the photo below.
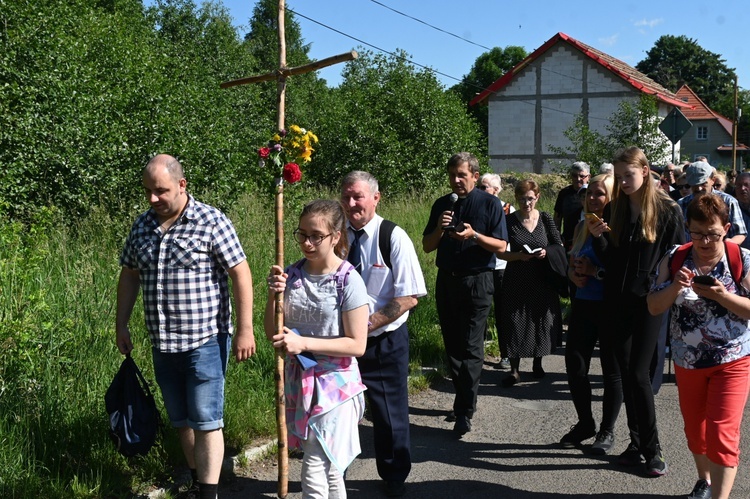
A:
[384,241]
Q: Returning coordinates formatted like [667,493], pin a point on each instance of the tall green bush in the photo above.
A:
[395,122]
[92,89]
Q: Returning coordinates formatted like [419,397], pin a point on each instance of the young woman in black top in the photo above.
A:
[644,224]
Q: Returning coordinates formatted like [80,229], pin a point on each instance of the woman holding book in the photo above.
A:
[530,304]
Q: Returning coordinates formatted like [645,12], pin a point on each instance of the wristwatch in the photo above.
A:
[475,236]
[599,274]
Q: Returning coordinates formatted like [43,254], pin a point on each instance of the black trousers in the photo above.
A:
[502,337]
[636,335]
[385,370]
[589,324]
[463,303]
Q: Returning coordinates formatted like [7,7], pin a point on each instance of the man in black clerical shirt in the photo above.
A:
[466,233]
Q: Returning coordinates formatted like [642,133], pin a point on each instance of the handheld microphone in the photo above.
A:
[453,198]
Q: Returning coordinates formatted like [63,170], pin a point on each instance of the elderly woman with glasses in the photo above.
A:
[706,283]
[530,314]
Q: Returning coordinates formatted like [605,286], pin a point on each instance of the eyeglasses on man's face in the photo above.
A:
[700,236]
[683,186]
[314,239]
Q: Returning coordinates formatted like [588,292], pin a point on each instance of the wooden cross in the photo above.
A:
[280,75]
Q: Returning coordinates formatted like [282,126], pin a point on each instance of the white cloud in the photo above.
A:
[648,23]
[608,41]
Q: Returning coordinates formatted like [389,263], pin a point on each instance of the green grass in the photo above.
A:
[58,355]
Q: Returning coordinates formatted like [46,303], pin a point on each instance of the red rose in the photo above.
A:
[292,173]
[263,152]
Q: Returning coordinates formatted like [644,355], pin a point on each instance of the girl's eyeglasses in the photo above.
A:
[314,239]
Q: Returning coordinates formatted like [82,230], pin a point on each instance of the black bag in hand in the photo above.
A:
[134,420]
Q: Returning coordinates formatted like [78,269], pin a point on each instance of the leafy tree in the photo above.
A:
[303,92]
[263,38]
[394,121]
[634,123]
[675,60]
[92,89]
[488,68]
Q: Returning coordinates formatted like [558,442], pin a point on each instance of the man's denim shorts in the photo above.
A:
[192,383]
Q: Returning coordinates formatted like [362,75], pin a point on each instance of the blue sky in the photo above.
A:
[625,29]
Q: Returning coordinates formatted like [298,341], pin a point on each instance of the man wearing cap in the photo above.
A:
[700,177]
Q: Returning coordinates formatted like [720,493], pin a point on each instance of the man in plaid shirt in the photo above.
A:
[181,253]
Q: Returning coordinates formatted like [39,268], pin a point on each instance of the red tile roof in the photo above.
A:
[628,73]
[698,110]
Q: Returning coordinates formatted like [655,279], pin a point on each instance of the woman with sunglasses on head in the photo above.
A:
[325,314]
[530,313]
[644,224]
[588,324]
[710,334]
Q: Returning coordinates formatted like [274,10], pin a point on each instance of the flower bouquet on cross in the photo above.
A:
[287,151]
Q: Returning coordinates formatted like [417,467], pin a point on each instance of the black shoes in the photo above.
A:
[603,443]
[631,456]
[577,434]
[462,426]
[394,488]
[510,380]
[702,490]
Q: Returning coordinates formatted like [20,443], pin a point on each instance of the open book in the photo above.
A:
[531,251]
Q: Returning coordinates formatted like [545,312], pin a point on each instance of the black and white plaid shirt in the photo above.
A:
[184,275]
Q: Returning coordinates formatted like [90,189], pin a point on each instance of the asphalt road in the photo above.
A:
[512,449]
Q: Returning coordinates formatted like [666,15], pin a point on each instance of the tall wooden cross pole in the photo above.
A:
[280,75]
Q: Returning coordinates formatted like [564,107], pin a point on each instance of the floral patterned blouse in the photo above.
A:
[702,332]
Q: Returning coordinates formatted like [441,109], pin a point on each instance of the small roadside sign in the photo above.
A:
[675,125]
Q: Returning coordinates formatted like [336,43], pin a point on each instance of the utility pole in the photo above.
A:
[735,124]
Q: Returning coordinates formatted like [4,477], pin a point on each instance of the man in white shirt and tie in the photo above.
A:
[394,283]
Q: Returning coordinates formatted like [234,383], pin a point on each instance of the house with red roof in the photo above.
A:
[535,102]
[711,133]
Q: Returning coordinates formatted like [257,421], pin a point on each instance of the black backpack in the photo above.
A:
[134,420]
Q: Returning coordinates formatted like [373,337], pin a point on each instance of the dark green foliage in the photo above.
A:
[488,68]
[676,60]
[92,89]
[394,121]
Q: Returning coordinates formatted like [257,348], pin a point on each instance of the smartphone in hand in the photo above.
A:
[704,279]
[594,217]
